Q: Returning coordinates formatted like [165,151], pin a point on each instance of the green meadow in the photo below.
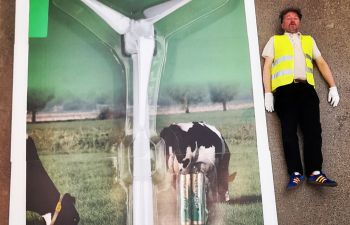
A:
[79,156]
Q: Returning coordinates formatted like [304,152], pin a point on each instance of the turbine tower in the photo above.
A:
[139,42]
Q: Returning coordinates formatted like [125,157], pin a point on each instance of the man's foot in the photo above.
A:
[321,180]
[295,180]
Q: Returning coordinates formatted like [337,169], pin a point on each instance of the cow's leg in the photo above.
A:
[223,174]
[173,166]
[209,172]
[212,185]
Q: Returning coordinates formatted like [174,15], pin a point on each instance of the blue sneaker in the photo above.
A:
[321,180]
[294,181]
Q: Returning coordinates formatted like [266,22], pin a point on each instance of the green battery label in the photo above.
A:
[185,188]
[198,199]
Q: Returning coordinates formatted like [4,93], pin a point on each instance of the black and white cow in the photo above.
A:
[198,143]
[42,195]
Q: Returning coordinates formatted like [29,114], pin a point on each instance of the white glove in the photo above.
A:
[333,96]
[269,102]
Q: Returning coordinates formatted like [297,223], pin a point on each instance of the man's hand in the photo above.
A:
[333,96]
[269,102]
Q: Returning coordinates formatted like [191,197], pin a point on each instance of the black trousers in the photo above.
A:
[298,104]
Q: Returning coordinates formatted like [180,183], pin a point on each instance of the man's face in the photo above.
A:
[291,22]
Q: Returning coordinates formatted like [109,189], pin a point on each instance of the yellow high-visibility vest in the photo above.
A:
[282,72]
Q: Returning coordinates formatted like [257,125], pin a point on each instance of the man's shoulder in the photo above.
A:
[306,35]
[279,37]
[271,39]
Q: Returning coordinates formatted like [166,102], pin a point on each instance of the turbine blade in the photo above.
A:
[114,19]
[157,12]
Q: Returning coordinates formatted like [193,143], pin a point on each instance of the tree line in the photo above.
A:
[186,95]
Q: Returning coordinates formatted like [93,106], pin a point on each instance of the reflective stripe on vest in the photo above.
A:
[282,71]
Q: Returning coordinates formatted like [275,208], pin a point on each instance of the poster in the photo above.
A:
[79,113]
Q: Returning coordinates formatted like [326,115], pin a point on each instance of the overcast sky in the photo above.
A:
[73,61]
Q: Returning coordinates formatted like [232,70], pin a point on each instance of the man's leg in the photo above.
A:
[286,106]
[311,128]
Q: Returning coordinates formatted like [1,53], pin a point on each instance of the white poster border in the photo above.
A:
[265,167]
[17,209]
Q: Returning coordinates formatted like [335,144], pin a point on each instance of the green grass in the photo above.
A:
[242,214]
[90,178]
[77,156]
[76,136]
[244,161]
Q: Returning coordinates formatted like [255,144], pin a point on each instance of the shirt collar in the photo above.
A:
[293,34]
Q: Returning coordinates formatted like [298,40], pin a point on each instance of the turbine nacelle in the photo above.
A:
[137,28]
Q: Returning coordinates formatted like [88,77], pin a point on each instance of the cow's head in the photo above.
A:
[68,215]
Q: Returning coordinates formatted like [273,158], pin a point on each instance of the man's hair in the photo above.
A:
[290,9]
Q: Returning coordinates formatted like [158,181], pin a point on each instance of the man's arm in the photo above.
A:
[333,96]
[267,84]
[267,74]
[325,71]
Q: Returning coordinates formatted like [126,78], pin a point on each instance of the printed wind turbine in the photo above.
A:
[139,42]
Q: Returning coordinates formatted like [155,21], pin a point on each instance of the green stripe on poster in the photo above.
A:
[38,18]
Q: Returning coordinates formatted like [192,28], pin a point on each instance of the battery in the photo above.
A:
[198,199]
[185,188]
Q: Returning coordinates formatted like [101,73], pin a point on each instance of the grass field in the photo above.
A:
[78,156]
